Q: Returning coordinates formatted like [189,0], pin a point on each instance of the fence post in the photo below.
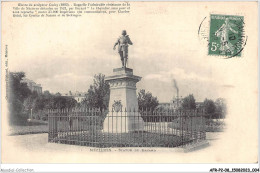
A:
[121,131]
[126,134]
[57,119]
[182,128]
[48,112]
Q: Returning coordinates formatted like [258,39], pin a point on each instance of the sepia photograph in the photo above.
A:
[129,82]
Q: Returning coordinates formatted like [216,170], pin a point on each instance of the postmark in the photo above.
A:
[224,34]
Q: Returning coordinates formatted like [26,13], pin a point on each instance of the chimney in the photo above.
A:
[177,91]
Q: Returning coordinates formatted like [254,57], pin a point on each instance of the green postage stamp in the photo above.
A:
[226,36]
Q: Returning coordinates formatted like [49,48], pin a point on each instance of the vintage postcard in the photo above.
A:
[129,82]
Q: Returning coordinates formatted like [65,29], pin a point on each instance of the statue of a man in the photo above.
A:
[122,43]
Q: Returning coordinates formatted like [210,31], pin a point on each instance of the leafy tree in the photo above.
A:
[58,94]
[62,102]
[221,107]
[98,93]
[21,100]
[189,102]
[210,107]
[16,88]
[48,100]
[17,92]
[30,101]
[146,100]
[46,93]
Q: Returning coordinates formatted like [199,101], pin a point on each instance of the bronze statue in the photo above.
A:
[122,43]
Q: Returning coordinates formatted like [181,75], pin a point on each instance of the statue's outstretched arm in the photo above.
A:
[129,41]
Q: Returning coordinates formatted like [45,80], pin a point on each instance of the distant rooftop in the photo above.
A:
[77,93]
[29,81]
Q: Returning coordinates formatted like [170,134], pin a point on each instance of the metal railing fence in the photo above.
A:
[142,128]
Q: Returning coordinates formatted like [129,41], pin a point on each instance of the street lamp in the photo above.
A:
[30,117]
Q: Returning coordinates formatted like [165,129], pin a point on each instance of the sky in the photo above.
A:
[64,54]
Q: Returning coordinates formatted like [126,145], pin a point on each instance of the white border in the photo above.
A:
[128,167]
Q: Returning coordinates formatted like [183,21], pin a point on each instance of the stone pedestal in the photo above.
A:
[123,113]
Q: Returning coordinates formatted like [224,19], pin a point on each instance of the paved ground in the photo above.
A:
[213,135]
[39,142]
[23,130]
[34,148]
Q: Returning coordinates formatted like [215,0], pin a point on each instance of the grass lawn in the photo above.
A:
[215,126]
[131,139]
[29,128]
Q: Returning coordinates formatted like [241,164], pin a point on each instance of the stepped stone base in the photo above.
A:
[123,124]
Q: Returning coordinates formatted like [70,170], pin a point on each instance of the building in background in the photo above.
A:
[33,86]
[199,105]
[78,96]
[174,104]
